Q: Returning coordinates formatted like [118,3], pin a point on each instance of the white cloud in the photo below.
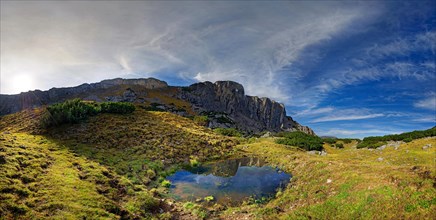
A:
[428,103]
[314,112]
[358,133]
[404,46]
[345,118]
[426,119]
[248,42]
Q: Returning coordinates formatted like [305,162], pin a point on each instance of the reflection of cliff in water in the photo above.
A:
[228,168]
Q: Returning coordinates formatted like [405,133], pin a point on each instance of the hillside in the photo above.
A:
[110,161]
[113,166]
[223,103]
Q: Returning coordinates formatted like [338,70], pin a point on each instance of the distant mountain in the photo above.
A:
[222,104]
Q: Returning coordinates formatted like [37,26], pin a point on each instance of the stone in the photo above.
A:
[425,147]
[323,153]
[381,147]
[266,135]
[380,159]
[329,180]
[313,152]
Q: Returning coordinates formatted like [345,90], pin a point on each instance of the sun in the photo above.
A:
[22,83]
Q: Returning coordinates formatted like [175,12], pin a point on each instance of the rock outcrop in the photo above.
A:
[249,113]
[224,102]
[14,103]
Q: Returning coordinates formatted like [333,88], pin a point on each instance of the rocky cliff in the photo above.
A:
[249,113]
[224,102]
[14,103]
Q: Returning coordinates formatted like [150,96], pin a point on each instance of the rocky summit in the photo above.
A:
[223,102]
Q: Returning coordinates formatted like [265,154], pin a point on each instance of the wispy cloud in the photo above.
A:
[314,111]
[404,46]
[428,103]
[190,40]
[358,133]
[427,119]
[345,118]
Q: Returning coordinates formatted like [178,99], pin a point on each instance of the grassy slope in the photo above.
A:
[98,168]
[106,167]
[41,179]
[400,186]
[134,144]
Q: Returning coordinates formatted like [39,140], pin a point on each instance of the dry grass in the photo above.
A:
[350,183]
[101,168]
[110,165]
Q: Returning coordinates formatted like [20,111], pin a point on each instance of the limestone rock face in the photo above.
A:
[14,103]
[128,96]
[149,83]
[224,102]
[249,113]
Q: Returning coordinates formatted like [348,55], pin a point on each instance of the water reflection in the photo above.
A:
[229,181]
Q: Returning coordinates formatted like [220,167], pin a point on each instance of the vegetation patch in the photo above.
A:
[301,140]
[76,110]
[377,141]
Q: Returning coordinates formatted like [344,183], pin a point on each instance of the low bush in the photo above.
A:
[374,142]
[166,183]
[202,120]
[117,107]
[301,140]
[76,110]
[143,202]
[339,145]
[346,140]
[329,140]
[231,132]
[71,111]
[371,144]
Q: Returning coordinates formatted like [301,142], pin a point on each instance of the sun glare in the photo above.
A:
[21,83]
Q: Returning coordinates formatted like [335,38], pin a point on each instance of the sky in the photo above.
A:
[343,68]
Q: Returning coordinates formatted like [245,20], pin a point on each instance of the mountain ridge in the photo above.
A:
[223,102]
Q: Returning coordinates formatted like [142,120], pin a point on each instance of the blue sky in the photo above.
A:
[344,68]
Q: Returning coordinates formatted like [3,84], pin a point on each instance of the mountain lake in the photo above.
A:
[228,182]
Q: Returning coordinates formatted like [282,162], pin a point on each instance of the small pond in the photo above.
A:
[229,182]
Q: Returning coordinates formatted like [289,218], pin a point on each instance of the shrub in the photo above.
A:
[76,110]
[374,142]
[71,111]
[407,140]
[330,140]
[194,162]
[117,107]
[166,183]
[202,120]
[231,132]
[339,145]
[371,144]
[209,198]
[142,203]
[346,140]
[301,140]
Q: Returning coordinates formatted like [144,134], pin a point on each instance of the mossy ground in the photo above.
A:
[349,183]
[111,166]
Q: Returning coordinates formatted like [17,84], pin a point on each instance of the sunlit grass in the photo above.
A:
[350,183]
[115,165]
